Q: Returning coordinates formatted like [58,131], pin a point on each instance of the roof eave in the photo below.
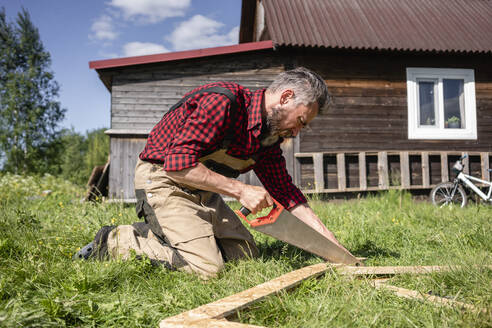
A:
[180,55]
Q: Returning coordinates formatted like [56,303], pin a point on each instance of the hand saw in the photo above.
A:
[282,225]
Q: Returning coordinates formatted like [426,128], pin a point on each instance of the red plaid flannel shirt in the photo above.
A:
[198,127]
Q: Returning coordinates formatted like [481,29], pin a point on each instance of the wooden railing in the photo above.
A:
[405,178]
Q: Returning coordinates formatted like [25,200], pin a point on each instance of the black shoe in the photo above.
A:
[85,252]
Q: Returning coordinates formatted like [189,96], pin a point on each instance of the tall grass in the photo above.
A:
[40,286]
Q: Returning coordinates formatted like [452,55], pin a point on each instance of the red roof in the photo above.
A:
[415,25]
[170,56]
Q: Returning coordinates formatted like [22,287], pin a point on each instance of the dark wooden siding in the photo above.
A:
[142,94]
[369,101]
[124,155]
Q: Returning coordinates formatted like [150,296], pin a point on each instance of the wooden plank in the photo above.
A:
[208,323]
[466,163]
[390,270]
[484,163]
[383,170]
[319,183]
[216,311]
[413,294]
[342,180]
[363,84]
[143,133]
[115,166]
[375,152]
[404,169]
[444,167]
[231,304]
[425,170]
[362,171]
[394,270]
[356,189]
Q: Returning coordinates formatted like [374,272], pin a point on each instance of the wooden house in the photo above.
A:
[410,84]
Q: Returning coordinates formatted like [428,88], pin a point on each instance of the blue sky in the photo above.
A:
[76,32]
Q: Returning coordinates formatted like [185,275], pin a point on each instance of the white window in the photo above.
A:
[441,103]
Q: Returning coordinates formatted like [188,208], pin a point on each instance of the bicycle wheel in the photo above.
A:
[442,195]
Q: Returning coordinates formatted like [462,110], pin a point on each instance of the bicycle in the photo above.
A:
[448,193]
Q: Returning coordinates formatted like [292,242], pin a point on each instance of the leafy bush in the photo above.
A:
[79,154]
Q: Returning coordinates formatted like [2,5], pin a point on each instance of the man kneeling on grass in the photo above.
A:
[216,132]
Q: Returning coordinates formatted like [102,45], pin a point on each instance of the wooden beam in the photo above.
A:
[213,313]
[466,163]
[211,323]
[404,169]
[383,170]
[319,179]
[393,270]
[342,181]
[484,163]
[231,304]
[362,171]
[412,294]
[130,132]
[444,167]
[425,170]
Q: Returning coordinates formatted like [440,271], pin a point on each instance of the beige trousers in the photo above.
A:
[190,230]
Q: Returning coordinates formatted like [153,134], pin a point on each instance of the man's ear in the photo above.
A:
[286,96]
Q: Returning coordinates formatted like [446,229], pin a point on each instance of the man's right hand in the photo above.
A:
[255,198]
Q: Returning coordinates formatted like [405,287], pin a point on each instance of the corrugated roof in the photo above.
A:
[417,25]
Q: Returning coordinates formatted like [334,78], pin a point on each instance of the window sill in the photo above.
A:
[439,134]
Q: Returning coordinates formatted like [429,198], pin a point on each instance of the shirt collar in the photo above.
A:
[254,111]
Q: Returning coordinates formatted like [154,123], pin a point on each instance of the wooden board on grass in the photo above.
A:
[214,314]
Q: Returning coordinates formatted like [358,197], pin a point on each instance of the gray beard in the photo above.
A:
[272,127]
[273,121]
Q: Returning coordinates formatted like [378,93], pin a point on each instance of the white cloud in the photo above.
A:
[109,55]
[142,48]
[201,32]
[151,11]
[103,29]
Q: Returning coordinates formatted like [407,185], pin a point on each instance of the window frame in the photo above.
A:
[439,132]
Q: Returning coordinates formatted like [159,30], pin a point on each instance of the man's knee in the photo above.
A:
[210,271]
[202,256]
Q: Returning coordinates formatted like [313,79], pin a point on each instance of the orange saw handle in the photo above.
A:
[268,219]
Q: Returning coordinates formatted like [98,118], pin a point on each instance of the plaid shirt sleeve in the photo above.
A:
[203,129]
[272,172]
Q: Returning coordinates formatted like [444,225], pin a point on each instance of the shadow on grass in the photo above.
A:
[299,258]
[369,249]
[280,250]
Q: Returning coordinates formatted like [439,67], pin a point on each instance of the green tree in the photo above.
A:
[80,153]
[29,111]
[97,149]
[72,158]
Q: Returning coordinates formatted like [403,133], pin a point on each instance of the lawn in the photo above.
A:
[41,286]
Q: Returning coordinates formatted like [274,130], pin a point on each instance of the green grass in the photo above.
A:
[41,286]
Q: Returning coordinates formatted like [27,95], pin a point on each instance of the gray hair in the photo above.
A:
[307,85]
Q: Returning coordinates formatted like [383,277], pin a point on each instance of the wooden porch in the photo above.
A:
[335,172]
